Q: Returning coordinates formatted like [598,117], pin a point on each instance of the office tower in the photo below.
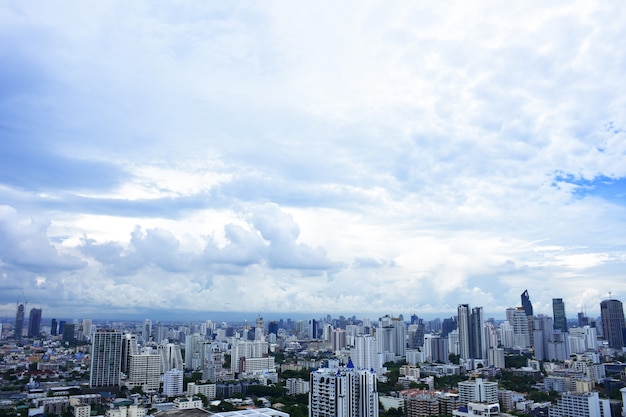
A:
[19,322]
[87,329]
[558,311]
[146,331]
[521,332]
[173,383]
[416,332]
[34,322]
[574,404]
[526,304]
[471,332]
[612,314]
[478,391]
[129,347]
[106,358]
[69,331]
[272,327]
[54,329]
[448,325]
[61,326]
[343,392]
[435,348]
[583,320]
[313,329]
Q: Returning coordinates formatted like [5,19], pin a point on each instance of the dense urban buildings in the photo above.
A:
[347,360]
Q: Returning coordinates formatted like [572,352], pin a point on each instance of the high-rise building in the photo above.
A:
[69,332]
[129,347]
[54,327]
[471,324]
[612,314]
[34,322]
[173,382]
[106,358]
[146,330]
[391,335]
[526,304]
[478,391]
[558,310]
[145,372]
[19,322]
[171,357]
[343,392]
[521,331]
[365,352]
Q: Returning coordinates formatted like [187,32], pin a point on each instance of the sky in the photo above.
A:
[353,157]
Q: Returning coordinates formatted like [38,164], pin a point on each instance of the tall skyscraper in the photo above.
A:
[526,304]
[19,322]
[558,310]
[129,348]
[612,314]
[34,322]
[106,358]
[471,324]
[343,392]
[54,327]
[146,331]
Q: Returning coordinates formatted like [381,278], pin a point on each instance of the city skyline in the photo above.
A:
[350,158]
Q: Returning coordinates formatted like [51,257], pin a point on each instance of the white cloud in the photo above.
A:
[326,156]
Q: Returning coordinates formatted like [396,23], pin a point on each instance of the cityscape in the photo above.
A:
[465,365]
[312,209]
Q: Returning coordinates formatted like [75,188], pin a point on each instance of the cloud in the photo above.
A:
[25,246]
[247,156]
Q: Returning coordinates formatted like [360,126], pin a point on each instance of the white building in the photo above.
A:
[296,386]
[478,391]
[479,409]
[173,383]
[586,404]
[145,372]
[344,392]
[365,353]
[208,390]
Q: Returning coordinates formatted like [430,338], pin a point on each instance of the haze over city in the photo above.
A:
[362,158]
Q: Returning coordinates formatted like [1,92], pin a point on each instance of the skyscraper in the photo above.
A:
[471,332]
[343,392]
[558,310]
[106,358]
[612,314]
[19,322]
[54,329]
[34,322]
[526,304]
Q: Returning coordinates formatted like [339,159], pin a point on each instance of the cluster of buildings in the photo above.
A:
[154,359]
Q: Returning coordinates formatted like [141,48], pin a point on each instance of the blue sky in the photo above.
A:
[363,157]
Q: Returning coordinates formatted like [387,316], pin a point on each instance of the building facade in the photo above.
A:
[106,358]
